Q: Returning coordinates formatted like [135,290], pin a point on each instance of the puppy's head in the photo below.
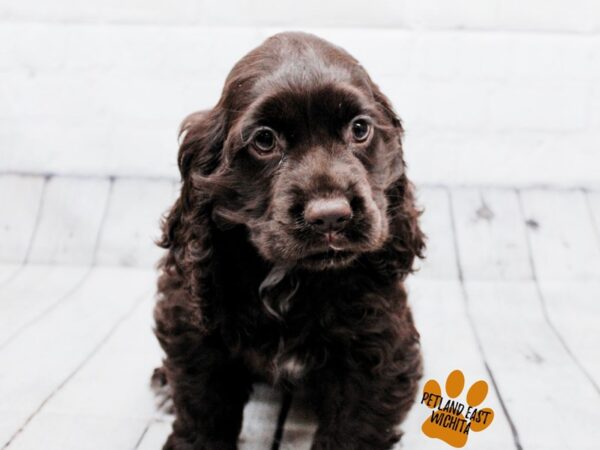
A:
[304,151]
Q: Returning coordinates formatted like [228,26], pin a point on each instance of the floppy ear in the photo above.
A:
[187,227]
[202,136]
[408,241]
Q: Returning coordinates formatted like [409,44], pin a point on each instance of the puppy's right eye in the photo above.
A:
[264,140]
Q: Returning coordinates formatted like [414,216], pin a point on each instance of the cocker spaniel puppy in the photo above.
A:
[287,250]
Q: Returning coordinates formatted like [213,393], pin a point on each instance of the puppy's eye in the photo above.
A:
[361,129]
[264,140]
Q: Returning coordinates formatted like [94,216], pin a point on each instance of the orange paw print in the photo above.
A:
[450,419]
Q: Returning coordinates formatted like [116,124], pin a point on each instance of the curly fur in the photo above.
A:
[240,297]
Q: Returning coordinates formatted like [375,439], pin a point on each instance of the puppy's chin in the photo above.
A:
[319,260]
[327,260]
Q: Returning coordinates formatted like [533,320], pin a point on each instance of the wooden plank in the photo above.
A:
[132,222]
[102,387]
[574,309]
[8,271]
[563,238]
[155,436]
[60,431]
[60,344]
[593,203]
[260,418]
[440,260]
[447,339]
[528,361]
[579,322]
[34,291]
[20,199]
[71,218]
[536,375]
[566,255]
[110,391]
[493,241]
[448,343]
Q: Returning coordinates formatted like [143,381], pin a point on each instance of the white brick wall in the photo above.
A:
[494,92]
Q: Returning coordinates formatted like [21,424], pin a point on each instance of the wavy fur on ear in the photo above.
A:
[407,239]
[202,135]
[187,229]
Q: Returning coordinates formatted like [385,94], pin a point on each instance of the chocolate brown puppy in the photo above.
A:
[287,250]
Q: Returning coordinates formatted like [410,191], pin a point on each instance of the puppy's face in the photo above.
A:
[310,149]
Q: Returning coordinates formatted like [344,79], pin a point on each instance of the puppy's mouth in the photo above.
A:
[331,250]
[327,259]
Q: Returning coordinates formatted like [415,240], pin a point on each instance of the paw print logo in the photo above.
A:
[451,420]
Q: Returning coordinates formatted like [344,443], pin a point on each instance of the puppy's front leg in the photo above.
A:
[360,409]
[209,393]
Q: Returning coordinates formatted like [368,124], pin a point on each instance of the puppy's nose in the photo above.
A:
[327,214]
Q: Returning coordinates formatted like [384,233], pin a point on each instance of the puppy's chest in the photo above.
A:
[279,362]
[289,347]
[279,351]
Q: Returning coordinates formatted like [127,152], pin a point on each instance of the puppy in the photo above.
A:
[287,250]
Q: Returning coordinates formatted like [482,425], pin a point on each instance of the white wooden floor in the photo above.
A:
[510,293]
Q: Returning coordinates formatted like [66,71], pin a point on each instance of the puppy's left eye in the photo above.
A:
[361,129]
[264,140]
